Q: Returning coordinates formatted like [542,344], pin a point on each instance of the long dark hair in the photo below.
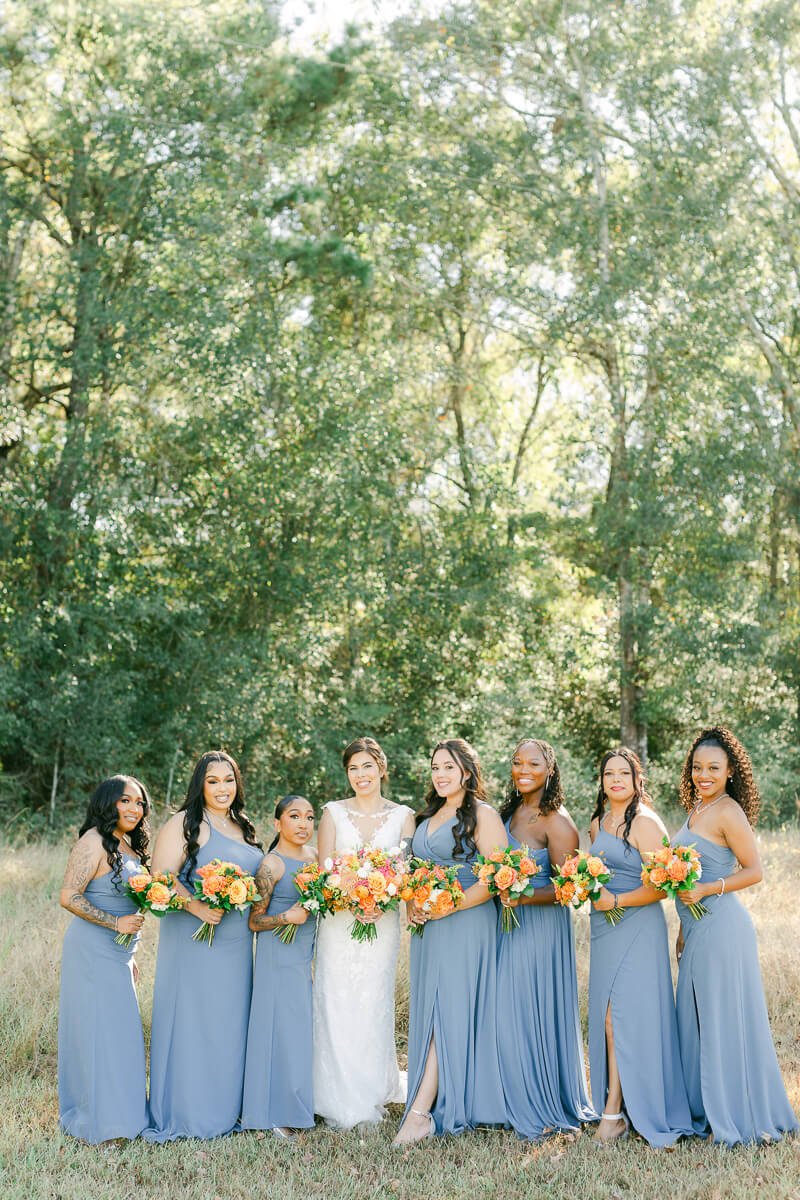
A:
[280,809]
[192,807]
[474,792]
[741,785]
[102,815]
[552,796]
[639,792]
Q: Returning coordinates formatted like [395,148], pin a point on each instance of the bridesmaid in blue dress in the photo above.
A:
[736,1092]
[634,1056]
[201,996]
[453,1071]
[278,1088]
[101,1069]
[539,1032]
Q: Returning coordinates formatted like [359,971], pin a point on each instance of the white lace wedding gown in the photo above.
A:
[355,1061]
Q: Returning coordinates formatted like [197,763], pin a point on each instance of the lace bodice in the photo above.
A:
[386,828]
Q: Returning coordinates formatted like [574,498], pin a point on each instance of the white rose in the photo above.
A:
[328,864]
[391,889]
[363,872]
[335,879]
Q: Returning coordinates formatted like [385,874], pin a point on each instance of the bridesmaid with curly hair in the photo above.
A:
[201,997]
[736,1093]
[539,1035]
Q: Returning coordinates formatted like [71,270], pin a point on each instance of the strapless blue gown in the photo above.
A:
[277,1075]
[101,1069]
[539,1032]
[736,1092]
[630,971]
[201,1006]
[453,998]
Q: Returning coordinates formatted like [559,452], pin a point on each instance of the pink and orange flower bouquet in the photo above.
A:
[507,871]
[224,886]
[674,869]
[156,894]
[581,878]
[310,882]
[364,882]
[431,887]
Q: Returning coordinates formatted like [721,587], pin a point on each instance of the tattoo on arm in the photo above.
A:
[82,907]
[265,882]
[80,870]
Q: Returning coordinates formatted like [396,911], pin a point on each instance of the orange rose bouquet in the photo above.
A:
[156,894]
[674,869]
[224,886]
[432,887]
[364,882]
[310,882]
[507,871]
[581,878]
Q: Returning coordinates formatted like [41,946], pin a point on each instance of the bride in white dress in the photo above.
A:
[355,1061]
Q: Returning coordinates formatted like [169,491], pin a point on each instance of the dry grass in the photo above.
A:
[37,1161]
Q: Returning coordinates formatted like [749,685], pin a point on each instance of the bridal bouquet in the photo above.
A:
[310,882]
[431,887]
[581,878]
[509,871]
[674,869]
[224,886]
[156,894]
[364,882]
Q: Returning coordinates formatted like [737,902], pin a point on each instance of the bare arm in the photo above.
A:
[647,832]
[87,855]
[490,834]
[735,828]
[169,854]
[267,875]
[563,840]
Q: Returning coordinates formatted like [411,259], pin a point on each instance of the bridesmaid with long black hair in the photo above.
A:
[201,998]
[101,1067]
[539,1031]
[453,1071]
[633,1035]
[733,1079]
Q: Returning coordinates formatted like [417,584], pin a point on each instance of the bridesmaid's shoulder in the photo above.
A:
[91,840]
[560,819]
[647,821]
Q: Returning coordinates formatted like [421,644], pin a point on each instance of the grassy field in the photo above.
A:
[37,1161]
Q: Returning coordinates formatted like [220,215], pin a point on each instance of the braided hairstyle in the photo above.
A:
[461,752]
[102,815]
[552,796]
[639,792]
[741,785]
[193,805]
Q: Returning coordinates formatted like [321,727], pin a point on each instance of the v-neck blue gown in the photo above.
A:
[201,1005]
[101,1068]
[539,1031]
[453,998]
[736,1092]
[278,1087]
[630,971]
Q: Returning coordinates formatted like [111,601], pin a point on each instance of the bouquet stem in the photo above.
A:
[614,915]
[124,939]
[510,920]
[416,930]
[204,934]
[363,931]
[698,910]
[286,934]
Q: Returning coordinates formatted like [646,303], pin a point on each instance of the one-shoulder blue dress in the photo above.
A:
[453,998]
[539,1030]
[736,1092]
[630,971]
[201,1006]
[278,1087]
[101,1070]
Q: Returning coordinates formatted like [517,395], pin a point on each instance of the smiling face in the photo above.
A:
[448,777]
[364,776]
[131,807]
[219,788]
[710,772]
[295,825]
[618,784]
[529,769]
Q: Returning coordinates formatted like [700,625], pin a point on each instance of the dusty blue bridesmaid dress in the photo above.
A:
[734,1083]
[453,998]
[201,1006]
[630,971]
[539,1032]
[277,1075]
[101,1071]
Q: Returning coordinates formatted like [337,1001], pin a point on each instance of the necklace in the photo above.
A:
[225,820]
[699,807]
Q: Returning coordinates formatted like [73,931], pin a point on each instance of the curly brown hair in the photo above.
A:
[552,797]
[741,785]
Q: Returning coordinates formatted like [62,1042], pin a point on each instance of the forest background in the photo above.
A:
[442,380]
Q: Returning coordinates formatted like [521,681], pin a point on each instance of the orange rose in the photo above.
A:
[158,895]
[658,876]
[566,892]
[214,885]
[237,892]
[486,872]
[443,904]
[421,894]
[406,893]
[528,867]
[663,855]
[139,882]
[497,856]
[377,883]
[594,865]
[570,867]
[504,877]
[678,871]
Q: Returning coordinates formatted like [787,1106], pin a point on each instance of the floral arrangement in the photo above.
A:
[224,886]
[364,882]
[433,888]
[674,869]
[156,894]
[581,878]
[507,871]
[310,882]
